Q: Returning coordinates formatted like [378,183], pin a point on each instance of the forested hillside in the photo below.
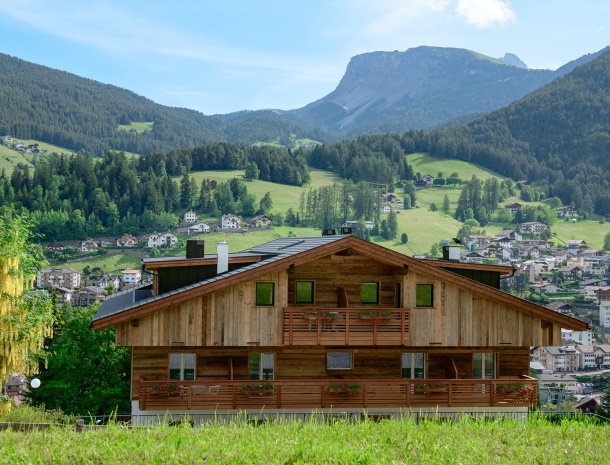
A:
[53,106]
[81,196]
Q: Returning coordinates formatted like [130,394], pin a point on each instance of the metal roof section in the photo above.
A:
[274,250]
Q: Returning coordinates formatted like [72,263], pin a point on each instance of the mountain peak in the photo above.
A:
[513,60]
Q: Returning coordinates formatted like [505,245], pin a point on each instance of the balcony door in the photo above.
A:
[261,365]
[484,365]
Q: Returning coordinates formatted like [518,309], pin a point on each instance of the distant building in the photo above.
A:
[126,240]
[230,221]
[561,307]
[199,228]
[604,313]
[89,245]
[533,227]
[386,208]
[557,359]
[577,337]
[546,288]
[166,239]
[513,207]
[260,221]
[89,295]
[58,277]
[567,212]
[354,225]
[190,217]
[131,277]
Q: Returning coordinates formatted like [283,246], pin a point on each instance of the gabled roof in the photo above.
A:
[283,253]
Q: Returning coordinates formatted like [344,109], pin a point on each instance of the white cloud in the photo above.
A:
[485,13]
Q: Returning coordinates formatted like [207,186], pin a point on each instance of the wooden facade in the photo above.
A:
[222,325]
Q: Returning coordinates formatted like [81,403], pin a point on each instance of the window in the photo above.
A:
[413,365]
[369,293]
[304,292]
[265,294]
[484,365]
[261,365]
[338,360]
[182,366]
[424,295]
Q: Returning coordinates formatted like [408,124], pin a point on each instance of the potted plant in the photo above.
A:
[344,390]
[310,315]
[329,316]
[375,315]
[255,390]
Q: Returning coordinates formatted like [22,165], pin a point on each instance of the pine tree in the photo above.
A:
[446,204]
[186,195]
[392,225]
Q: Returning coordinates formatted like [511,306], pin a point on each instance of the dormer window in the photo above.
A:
[265,294]
[304,292]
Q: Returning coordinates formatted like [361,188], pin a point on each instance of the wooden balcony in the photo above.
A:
[346,326]
[340,393]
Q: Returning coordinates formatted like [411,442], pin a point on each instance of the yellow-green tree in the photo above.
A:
[26,319]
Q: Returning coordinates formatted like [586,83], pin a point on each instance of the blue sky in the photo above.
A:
[227,55]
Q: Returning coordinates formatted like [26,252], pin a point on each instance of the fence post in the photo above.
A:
[79,426]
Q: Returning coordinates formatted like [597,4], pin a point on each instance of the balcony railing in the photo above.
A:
[340,393]
[346,326]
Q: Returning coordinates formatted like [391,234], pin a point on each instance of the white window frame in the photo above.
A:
[411,357]
[262,366]
[184,357]
[330,355]
[484,358]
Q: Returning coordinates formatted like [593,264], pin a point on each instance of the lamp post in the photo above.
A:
[35,384]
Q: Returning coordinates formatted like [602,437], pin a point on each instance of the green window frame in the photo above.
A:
[369,293]
[424,295]
[304,292]
[265,294]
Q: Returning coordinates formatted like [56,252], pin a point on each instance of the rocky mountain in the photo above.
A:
[422,87]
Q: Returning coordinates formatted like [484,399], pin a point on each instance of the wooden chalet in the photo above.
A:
[331,322]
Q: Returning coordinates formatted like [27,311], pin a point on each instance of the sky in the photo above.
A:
[226,55]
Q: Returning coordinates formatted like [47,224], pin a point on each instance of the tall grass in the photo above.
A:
[468,441]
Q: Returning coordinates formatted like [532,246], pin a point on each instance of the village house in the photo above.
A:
[595,293]
[260,222]
[386,209]
[125,240]
[89,245]
[472,257]
[108,281]
[190,217]
[230,221]
[554,388]
[567,212]
[88,295]
[50,278]
[508,235]
[533,227]
[65,295]
[387,198]
[576,247]
[571,272]
[513,207]
[327,323]
[561,307]
[354,224]
[557,358]
[595,266]
[577,337]
[199,228]
[166,239]
[7,138]
[539,270]
[425,181]
[544,288]
[131,277]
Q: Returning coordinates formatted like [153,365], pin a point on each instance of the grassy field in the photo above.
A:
[425,164]
[137,126]
[283,196]
[386,442]
[10,158]
[295,143]
[48,148]
[110,263]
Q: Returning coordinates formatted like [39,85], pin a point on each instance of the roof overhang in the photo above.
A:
[365,248]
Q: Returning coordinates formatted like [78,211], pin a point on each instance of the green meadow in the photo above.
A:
[465,442]
[137,126]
